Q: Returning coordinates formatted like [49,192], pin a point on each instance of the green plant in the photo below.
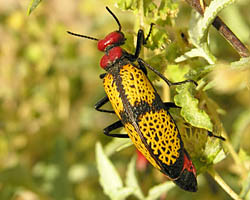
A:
[48,129]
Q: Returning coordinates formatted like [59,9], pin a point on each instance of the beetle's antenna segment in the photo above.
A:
[84,36]
[116,19]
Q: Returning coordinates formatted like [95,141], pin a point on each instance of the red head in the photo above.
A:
[115,38]
[110,44]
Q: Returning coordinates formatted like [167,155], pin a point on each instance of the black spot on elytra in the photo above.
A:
[131,77]
[160,133]
[152,129]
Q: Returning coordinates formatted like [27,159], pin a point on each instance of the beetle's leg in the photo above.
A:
[210,134]
[142,62]
[170,105]
[143,68]
[141,40]
[112,127]
[102,75]
[100,103]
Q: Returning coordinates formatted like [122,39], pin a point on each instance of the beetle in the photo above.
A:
[140,110]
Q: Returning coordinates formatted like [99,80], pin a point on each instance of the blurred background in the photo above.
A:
[49,83]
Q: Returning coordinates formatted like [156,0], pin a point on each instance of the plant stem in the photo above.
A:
[212,107]
[230,37]
[222,183]
[235,156]
[222,28]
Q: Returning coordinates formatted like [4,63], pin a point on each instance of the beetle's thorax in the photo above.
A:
[111,46]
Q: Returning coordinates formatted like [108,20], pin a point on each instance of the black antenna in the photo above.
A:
[116,19]
[84,36]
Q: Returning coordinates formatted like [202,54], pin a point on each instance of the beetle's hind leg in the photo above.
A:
[173,105]
[100,103]
[112,127]
[170,105]
[210,134]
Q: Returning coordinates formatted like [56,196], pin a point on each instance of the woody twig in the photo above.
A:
[223,29]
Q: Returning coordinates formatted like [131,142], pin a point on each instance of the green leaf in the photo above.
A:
[33,5]
[213,151]
[176,73]
[190,110]
[199,24]
[198,31]
[131,180]
[156,191]
[157,39]
[117,144]
[201,51]
[109,177]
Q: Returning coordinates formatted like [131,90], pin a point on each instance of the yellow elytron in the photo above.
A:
[143,114]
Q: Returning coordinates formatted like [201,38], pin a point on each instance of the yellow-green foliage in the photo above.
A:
[49,83]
